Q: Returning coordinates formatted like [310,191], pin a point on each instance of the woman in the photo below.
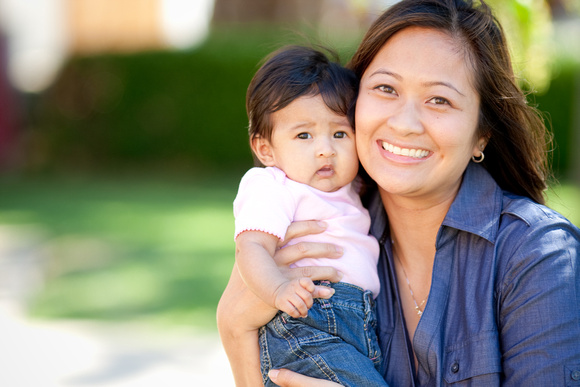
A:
[480,282]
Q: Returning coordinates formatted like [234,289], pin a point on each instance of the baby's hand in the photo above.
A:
[295,297]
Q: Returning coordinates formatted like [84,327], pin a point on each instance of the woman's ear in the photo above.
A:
[263,151]
[480,145]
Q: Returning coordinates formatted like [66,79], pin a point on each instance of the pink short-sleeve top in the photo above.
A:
[269,201]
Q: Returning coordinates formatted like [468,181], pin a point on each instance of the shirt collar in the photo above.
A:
[477,206]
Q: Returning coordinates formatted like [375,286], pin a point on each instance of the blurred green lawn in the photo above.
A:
[153,249]
[128,248]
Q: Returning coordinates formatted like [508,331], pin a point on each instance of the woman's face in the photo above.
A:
[417,114]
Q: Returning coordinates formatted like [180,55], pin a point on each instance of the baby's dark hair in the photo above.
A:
[292,72]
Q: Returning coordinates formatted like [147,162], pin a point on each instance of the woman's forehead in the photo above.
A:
[426,52]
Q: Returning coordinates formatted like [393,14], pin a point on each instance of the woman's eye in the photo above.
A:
[439,101]
[340,135]
[304,136]
[386,89]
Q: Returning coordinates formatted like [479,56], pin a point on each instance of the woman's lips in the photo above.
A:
[409,152]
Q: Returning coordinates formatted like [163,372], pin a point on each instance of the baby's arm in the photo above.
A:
[254,252]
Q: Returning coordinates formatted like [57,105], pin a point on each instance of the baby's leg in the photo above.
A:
[307,347]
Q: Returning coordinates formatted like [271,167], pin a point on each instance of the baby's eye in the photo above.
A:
[304,136]
[340,135]
[439,101]
[386,89]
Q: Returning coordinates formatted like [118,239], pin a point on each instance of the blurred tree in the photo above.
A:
[528,26]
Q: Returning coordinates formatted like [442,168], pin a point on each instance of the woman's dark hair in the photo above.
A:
[516,153]
[293,72]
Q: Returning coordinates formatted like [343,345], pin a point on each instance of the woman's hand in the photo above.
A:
[286,378]
[290,254]
[241,313]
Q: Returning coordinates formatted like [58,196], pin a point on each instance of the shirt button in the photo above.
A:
[575,375]
[455,367]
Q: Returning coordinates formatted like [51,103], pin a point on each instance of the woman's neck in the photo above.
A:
[414,224]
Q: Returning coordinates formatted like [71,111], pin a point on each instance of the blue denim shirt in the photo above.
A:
[504,304]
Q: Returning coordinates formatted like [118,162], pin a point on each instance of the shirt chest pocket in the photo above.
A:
[471,358]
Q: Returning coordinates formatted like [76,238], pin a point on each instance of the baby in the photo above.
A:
[298,104]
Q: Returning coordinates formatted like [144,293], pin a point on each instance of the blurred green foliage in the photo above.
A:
[559,105]
[528,28]
[170,111]
[185,111]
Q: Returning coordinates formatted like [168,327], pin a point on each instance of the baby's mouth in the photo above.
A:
[325,171]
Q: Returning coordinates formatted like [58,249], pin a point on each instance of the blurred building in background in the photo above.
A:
[42,34]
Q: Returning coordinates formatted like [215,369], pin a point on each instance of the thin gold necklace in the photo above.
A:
[417,306]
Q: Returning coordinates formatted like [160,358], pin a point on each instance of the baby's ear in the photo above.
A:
[263,151]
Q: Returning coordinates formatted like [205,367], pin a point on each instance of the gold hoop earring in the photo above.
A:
[479,159]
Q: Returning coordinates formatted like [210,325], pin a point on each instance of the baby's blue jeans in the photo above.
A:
[337,341]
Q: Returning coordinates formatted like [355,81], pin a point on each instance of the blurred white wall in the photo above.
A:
[42,34]
[37,41]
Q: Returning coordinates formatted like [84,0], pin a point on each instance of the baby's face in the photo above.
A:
[314,145]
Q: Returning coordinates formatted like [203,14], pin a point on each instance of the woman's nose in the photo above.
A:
[406,119]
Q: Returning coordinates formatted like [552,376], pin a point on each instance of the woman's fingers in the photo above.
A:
[302,228]
[293,253]
[315,273]
[286,378]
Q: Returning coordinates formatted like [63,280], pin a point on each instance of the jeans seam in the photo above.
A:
[266,363]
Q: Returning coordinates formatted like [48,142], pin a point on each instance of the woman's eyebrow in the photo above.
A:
[425,84]
[441,83]
[386,72]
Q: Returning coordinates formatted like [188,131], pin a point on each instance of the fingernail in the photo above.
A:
[339,249]
[328,292]
[273,374]
[340,274]
[321,224]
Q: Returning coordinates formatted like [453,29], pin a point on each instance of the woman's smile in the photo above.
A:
[408,152]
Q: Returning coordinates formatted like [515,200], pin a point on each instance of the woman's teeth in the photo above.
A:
[415,153]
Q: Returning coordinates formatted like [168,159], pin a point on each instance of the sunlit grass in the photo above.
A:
[128,249]
[158,250]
